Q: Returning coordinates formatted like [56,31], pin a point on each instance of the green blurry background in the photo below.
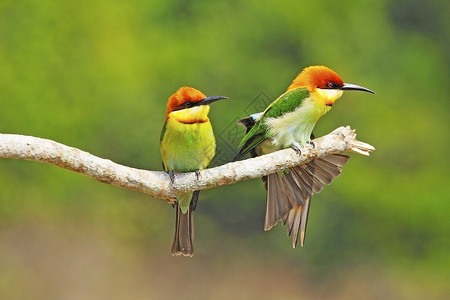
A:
[96,75]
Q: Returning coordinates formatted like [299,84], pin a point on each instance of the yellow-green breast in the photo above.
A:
[187,147]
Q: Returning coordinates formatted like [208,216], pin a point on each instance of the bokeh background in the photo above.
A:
[96,75]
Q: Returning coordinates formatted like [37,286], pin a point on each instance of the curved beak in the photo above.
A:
[209,100]
[354,87]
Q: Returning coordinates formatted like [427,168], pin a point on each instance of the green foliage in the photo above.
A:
[97,74]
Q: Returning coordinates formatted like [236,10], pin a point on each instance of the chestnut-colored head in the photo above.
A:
[184,97]
[317,77]
[325,79]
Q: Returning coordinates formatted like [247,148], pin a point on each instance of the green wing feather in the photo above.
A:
[161,137]
[286,103]
[163,131]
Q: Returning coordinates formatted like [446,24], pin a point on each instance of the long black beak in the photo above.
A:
[354,87]
[209,100]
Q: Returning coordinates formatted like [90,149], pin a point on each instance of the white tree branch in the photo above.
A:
[157,183]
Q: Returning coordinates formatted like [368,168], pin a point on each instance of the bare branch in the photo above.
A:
[157,183]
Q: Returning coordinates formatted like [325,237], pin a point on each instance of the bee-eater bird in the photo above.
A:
[187,144]
[289,122]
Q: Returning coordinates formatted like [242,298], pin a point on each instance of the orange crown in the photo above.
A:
[183,94]
[316,77]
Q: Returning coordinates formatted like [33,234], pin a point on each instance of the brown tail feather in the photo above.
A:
[336,159]
[277,207]
[184,229]
[289,194]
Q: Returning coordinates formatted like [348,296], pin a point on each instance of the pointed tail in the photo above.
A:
[289,193]
[184,228]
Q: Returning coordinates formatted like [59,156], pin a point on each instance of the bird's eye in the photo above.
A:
[330,85]
[187,104]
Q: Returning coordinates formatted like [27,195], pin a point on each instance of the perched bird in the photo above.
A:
[187,144]
[288,122]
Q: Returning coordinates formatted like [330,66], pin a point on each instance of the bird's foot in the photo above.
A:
[311,143]
[198,175]
[172,176]
[296,147]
